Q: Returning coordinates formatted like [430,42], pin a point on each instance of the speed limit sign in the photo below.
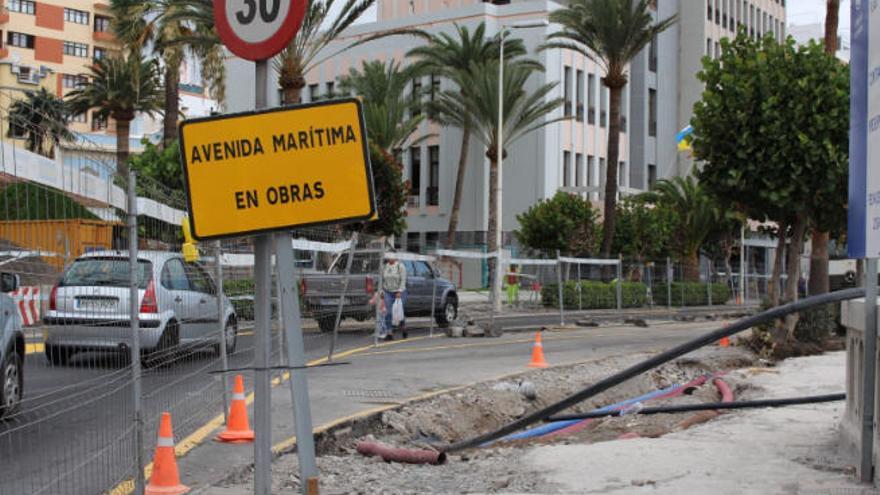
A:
[258,29]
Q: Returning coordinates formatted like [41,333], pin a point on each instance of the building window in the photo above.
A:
[591,99]
[76,16]
[708,47]
[717,13]
[330,88]
[566,168]
[579,170]
[100,53]
[99,123]
[415,176]
[652,112]
[624,109]
[621,174]
[416,96]
[652,176]
[709,11]
[433,191]
[435,86]
[102,24]
[591,163]
[23,6]
[313,92]
[717,50]
[20,40]
[70,81]
[724,14]
[566,91]
[579,95]
[432,240]
[603,106]
[75,49]
[413,242]
[652,55]
[80,118]
[601,166]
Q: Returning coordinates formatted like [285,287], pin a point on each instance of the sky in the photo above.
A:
[813,11]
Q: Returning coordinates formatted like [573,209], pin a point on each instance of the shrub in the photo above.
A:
[595,295]
[692,294]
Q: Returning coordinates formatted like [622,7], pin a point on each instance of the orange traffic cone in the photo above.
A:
[724,342]
[538,353]
[237,428]
[165,479]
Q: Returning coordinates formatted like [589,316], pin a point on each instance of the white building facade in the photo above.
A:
[570,155]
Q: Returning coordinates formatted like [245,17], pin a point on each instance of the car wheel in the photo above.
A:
[230,333]
[168,343]
[11,385]
[57,356]
[327,323]
[448,312]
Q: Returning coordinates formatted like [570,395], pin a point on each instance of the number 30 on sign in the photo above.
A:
[258,29]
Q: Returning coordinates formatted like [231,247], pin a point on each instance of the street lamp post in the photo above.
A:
[499,277]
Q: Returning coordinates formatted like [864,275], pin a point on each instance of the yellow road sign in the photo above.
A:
[277,169]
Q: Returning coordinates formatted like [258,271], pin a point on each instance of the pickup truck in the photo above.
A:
[320,294]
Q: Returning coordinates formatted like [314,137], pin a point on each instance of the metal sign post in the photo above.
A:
[863,232]
[296,359]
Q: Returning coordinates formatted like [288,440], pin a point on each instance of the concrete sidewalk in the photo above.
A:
[786,450]
[383,377]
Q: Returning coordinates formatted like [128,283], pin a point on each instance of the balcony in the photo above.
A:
[102,6]
[105,36]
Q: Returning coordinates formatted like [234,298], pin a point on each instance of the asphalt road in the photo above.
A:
[74,431]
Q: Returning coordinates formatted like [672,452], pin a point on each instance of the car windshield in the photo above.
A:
[109,272]
[362,263]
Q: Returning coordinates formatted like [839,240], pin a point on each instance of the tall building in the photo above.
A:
[664,85]
[50,45]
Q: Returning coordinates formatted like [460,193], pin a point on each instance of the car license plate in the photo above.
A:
[96,304]
[334,301]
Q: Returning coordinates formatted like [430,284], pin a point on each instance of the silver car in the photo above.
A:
[89,307]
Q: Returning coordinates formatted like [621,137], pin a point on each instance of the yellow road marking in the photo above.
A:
[195,438]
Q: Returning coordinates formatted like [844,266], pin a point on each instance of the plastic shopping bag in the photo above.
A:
[397,312]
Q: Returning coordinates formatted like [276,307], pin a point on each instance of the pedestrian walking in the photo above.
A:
[513,286]
[394,290]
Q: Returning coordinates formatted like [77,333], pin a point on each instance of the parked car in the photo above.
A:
[89,307]
[12,348]
[320,294]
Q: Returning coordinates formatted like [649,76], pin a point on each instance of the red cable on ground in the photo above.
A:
[703,416]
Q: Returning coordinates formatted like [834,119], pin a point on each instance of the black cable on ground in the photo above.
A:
[662,358]
[707,406]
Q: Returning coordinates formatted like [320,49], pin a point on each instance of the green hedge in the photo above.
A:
[692,294]
[595,295]
[244,308]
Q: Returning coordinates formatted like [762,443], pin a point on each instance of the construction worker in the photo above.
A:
[513,286]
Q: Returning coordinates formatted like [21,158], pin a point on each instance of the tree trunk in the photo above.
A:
[292,92]
[172,106]
[122,130]
[773,283]
[459,187]
[493,221]
[793,270]
[691,267]
[832,19]
[819,281]
[610,219]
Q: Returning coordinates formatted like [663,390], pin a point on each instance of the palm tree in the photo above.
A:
[697,216]
[120,87]
[477,108]
[43,118]
[171,28]
[451,56]
[301,54]
[387,111]
[611,33]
